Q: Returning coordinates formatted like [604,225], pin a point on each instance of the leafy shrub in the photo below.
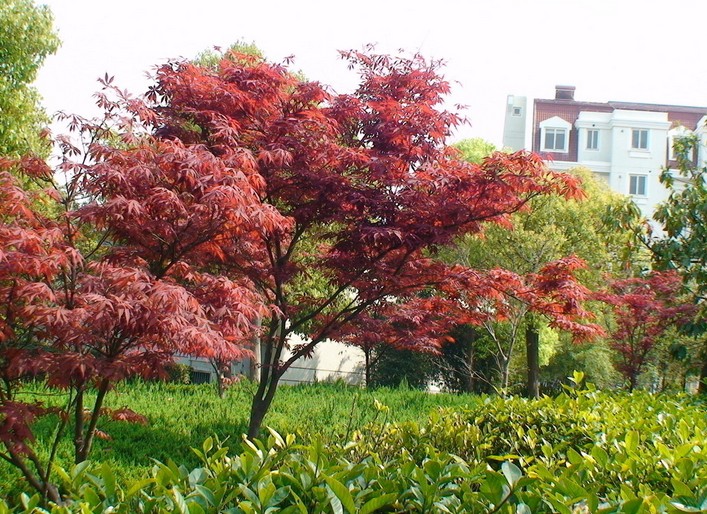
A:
[281,476]
[178,373]
[585,451]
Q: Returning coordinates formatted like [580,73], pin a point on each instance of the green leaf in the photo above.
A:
[108,480]
[206,493]
[179,502]
[600,455]
[79,469]
[378,502]
[29,503]
[558,505]
[680,488]
[572,489]
[632,506]
[574,457]
[279,441]
[138,486]
[631,440]
[91,497]
[342,493]
[511,472]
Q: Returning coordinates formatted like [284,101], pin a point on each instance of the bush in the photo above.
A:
[581,452]
[178,373]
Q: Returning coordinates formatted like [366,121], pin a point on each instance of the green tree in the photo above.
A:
[474,149]
[26,39]
[683,244]
[551,228]
[212,57]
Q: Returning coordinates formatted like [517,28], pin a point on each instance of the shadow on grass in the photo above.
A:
[133,448]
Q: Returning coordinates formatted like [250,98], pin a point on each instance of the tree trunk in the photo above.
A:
[270,374]
[469,365]
[84,450]
[256,360]
[532,345]
[261,403]
[367,356]
[702,386]
[505,375]
[79,440]
[224,372]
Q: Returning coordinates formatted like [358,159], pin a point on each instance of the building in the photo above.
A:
[627,144]
[330,361]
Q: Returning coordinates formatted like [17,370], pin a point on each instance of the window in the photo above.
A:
[592,139]
[555,135]
[516,111]
[637,185]
[639,139]
[555,140]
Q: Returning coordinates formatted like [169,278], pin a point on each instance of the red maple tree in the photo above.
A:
[120,276]
[243,203]
[369,186]
[644,309]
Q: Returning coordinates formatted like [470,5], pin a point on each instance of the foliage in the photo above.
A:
[681,245]
[212,58]
[675,362]
[595,359]
[119,279]
[582,452]
[329,410]
[466,364]
[682,216]
[644,310]
[367,177]
[190,222]
[553,227]
[394,367]
[26,39]
[684,244]
[474,150]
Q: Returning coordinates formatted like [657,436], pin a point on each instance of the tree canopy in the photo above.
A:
[366,176]
[683,217]
[550,228]
[645,309]
[26,39]
[683,246]
[190,222]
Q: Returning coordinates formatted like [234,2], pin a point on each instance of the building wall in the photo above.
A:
[515,123]
[627,161]
[615,160]
[330,361]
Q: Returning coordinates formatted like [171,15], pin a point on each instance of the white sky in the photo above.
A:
[632,50]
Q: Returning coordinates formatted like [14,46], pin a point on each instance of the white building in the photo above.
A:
[626,144]
[330,361]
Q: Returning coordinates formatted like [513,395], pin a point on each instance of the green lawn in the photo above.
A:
[182,416]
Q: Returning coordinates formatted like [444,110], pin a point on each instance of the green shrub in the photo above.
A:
[281,476]
[584,451]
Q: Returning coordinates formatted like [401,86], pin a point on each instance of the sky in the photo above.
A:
[649,51]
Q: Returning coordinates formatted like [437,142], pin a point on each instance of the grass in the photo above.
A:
[182,416]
